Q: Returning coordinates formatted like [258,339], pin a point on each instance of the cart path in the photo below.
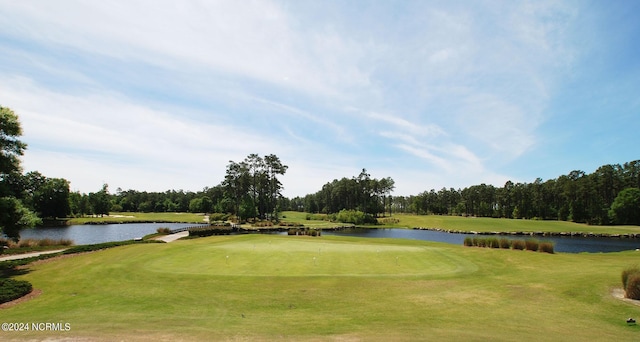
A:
[29,255]
[165,238]
[172,237]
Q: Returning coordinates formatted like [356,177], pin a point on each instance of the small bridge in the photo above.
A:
[234,226]
[184,229]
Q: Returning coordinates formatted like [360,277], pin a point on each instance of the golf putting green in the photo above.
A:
[291,256]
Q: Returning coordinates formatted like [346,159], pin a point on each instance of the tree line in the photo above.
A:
[362,193]
[610,195]
[251,189]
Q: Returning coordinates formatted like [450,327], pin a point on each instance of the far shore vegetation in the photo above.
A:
[444,222]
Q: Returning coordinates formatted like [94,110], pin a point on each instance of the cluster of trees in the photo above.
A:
[206,201]
[14,214]
[251,187]
[362,193]
[610,195]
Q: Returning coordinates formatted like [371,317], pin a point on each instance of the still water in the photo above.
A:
[90,234]
[563,244]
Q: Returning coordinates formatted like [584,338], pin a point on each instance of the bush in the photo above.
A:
[52,242]
[11,289]
[209,231]
[163,230]
[355,217]
[27,243]
[505,243]
[493,243]
[304,231]
[290,224]
[628,272]
[531,245]
[262,224]
[546,247]
[474,241]
[632,289]
[518,244]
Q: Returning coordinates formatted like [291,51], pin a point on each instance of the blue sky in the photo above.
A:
[159,95]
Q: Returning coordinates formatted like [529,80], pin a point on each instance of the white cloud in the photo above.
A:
[459,89]
[254,40]
[113,132]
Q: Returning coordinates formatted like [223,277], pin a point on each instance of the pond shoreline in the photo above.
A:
[537,233]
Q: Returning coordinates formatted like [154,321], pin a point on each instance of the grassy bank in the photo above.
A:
[484,224]
[140,217]
[262,287]
[476,224]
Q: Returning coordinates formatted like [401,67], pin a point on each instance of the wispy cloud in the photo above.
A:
[436,88]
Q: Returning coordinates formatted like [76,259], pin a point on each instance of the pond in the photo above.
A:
[562,244]
[87,234]
[90,234]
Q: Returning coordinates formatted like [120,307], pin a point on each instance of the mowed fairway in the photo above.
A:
[266,287]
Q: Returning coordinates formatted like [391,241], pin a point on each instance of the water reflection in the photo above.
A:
[90,234]
[563,244]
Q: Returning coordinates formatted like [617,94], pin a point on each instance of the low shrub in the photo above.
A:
[493,243]
[355,217]
[546,247]
[11,289]
[532,245]
[209,231]
[290,224]
[518,244]
[304,231]
[505,243]
[628,272]
[53,242]
[163,230]
[27,243]
[34,243]
[389,220]
[481,242]
[632,290]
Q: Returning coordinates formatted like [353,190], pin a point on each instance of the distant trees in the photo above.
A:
[577,196]
[626,207]
[200,205]
[361,193]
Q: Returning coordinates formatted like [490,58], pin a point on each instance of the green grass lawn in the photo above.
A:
[486,224]
[477,224]
[266,287]
[141,217]
[300,217]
